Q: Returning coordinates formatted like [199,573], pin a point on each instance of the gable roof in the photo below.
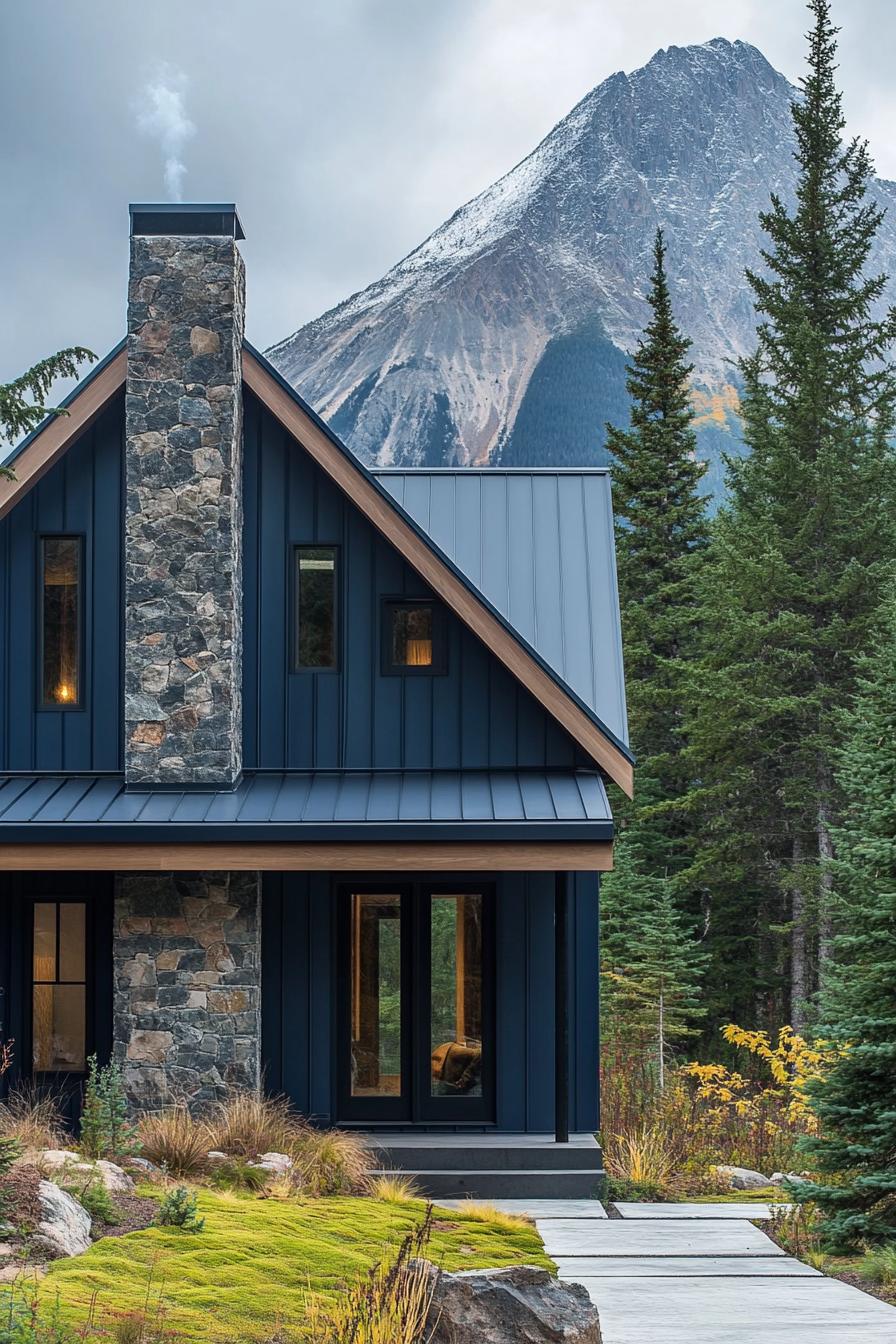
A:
[43,447]
[538,544]
[470,603]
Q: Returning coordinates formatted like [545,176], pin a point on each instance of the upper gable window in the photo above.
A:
[314,588]
[413,638]
[60,621]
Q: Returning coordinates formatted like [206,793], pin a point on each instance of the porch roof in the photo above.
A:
[305,806]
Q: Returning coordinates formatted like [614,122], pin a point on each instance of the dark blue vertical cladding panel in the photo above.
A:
[299,996]
[474,716]
[81,494]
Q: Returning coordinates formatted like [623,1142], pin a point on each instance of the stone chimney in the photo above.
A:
[183,580]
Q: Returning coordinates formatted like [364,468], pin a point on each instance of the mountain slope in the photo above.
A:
[503,334]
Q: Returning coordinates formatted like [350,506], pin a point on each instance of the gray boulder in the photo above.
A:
[742,1178]
[520,1303]
[64,1228]
[278,1164]
[72,1167]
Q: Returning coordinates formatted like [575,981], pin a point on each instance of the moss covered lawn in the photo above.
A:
[250,1271]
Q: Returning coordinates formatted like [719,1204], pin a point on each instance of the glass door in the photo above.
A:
[457,984]
[415,985]
[373,991]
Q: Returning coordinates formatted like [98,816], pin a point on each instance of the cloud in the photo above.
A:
[161,115]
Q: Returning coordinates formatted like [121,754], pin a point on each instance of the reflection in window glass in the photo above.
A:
[315,586]
[61,619]
[376,995]
[456,995]
[59,994]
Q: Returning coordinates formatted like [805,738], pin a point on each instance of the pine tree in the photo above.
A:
[856,1104]
[650,963]
[18,414]
[660,530]
[799,556]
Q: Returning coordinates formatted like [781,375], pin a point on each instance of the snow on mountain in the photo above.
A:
[504,334]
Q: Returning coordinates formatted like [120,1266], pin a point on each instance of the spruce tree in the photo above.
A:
[651,964]
[650,961]
[660,531]
[799,556]
[856,1104]
[22,402]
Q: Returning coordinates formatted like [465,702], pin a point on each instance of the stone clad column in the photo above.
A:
[183,580]
[187,1005]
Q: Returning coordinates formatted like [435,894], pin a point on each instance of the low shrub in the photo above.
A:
[879,1266]
[92,1195]
[178,1209]
[32,1117]
[797,1228]
[621,1189]
[236,1173]
[173,1140]
[105,1129]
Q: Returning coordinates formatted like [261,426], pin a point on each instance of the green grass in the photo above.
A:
[249,1273]
[769,1194]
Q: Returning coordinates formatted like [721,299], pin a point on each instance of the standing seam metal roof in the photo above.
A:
[317,804]
[539,546]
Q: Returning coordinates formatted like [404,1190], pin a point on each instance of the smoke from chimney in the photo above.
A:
[161,115]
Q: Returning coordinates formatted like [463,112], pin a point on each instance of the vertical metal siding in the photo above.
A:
[298,1007]
[81,494]
[355,718]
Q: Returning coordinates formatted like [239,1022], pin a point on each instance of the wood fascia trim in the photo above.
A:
[389,522]
[53,440]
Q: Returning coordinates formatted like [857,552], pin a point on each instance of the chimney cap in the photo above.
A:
[178,219]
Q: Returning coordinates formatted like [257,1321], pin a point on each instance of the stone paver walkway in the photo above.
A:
[707,1277]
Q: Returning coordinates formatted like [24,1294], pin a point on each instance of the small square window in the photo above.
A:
[413,639]
[60,622]
[314,588]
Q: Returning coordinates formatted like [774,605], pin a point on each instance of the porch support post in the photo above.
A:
[561,1007]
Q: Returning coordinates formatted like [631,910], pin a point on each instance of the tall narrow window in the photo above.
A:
[59,989]
[60,621]
[315,601]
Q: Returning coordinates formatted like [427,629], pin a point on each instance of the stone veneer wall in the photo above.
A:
[187,967]
[183,582]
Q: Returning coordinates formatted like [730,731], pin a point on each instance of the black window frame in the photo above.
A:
[439,665]
[77,705]
[295,666]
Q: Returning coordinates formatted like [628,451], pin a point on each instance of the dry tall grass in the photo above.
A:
[174,1140]
[246,1124]
[390,1305]
[32,1117]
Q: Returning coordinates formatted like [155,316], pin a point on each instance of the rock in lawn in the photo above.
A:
[75,1168]
[64,1228]
[278,1163]
[779,1177]
[115,1178]
[742,1178]
[520,1303]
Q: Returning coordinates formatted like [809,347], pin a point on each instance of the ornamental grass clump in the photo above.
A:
[246,1124]
[174,1141]
[332,1162]
[32,1117]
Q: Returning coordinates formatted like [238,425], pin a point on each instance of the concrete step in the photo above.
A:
[475,1157]
[505,1183]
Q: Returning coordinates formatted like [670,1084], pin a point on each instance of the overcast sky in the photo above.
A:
[346,130]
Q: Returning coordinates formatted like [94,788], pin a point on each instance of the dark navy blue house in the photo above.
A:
[303,766]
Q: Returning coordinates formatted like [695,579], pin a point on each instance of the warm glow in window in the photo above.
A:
[58,987]
[413,637]
[61,620]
